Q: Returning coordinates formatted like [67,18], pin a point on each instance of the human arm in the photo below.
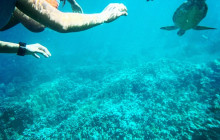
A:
[32,49]
[49,16]
[28,22]
[20,17]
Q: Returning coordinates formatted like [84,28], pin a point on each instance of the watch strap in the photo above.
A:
[21,49]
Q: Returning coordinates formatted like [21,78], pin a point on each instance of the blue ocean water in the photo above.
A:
[123,80]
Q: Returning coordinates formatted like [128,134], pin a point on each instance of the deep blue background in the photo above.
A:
[128,41]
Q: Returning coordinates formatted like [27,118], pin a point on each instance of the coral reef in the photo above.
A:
[158,100]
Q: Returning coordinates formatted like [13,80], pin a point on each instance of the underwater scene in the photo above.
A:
[136,78]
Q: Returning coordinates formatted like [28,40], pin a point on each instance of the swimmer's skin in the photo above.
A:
[49,16]
[33,49]
[31,24]
[20,17]
[28,22]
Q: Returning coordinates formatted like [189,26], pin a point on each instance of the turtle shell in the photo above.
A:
[189,14]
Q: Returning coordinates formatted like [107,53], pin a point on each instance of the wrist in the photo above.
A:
[22,49]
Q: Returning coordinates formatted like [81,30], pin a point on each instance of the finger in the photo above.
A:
[42,52]
[35,55]
[111,8]
[123,8]
[45,50]
[48,53]
[123,14]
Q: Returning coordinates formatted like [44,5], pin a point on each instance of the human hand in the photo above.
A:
[75,7]
[114,11]
[34,49]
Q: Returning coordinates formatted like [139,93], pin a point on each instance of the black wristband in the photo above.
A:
[21,49]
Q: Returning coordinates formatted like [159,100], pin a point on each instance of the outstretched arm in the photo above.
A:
[33,49]
[49,16]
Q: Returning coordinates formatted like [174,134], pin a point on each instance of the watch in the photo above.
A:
[21,49]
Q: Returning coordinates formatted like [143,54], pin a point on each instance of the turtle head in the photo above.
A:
[181,32]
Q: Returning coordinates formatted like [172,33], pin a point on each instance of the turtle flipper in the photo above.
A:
[169,28]
[181,32]
[203,28]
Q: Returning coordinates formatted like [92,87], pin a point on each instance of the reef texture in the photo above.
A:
[158,100]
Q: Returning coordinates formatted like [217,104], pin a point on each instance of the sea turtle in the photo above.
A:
[188,16]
